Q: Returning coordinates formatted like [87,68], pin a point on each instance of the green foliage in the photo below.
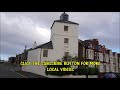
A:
[75,58]
[87,71]
[81,71]
[70,58]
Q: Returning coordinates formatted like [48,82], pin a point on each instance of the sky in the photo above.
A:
[18,29]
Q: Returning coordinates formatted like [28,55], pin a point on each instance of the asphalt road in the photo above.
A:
[7,73]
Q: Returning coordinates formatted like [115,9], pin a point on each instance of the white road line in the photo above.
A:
[21,75]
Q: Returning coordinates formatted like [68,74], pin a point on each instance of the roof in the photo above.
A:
[11,57]
[47,45]
[97,47]
[81,42]
[118,54]
[87,42]
[114,53]
[61,21]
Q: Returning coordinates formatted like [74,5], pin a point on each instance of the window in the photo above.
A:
[115,69]
[90,45]
[86,53]
[105,68]
[66,53]
[95,55]
[91,53]
[83,52]
[66,40]
[98,56]
[45,53]
[66,48]
[65,28]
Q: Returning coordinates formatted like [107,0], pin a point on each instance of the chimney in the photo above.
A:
[25,47]
[34,45]
[95,41]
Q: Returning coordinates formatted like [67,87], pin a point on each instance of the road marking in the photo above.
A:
[21,75]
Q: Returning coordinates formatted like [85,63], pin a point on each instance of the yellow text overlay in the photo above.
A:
[73,63]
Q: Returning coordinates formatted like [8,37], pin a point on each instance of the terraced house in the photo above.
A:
[91,50]
[64,41]
[118,62]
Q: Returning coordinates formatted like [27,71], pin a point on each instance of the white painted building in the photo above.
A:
[64,40]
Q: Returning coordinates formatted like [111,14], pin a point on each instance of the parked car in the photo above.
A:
[1,61]
[117,75]
[110,75]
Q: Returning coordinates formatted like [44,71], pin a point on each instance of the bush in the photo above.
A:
[81,71]
[87,71]
[69,58]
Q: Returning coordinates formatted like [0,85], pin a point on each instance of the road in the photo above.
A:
[7,73]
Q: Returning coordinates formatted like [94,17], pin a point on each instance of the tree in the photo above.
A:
[69,58]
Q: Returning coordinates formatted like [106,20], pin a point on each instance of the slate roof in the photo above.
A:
[86,43]
[97,47]
[47,45]
[118,54]
[80,41]
[114,53]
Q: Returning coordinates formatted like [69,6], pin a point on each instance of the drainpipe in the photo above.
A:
[40,54]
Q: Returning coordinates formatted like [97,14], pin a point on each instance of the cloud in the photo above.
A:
[23,28]
[18,31]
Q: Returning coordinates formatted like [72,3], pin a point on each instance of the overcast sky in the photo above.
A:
[18,29]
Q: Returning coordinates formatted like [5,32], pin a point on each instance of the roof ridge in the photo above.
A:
[43,44]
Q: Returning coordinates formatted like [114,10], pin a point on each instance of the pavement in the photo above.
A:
[9,71]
